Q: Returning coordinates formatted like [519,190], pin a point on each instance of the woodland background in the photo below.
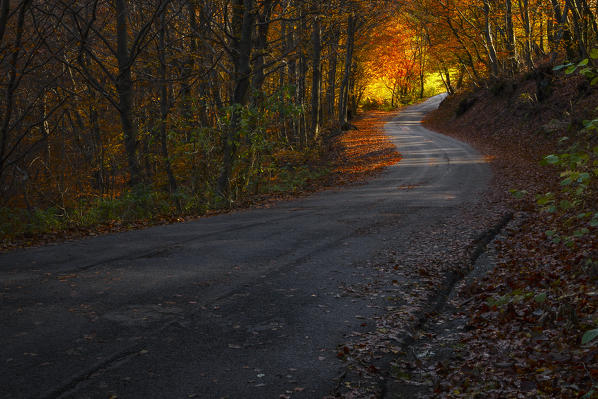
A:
[120,110]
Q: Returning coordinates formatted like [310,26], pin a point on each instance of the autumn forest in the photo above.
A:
[129,108]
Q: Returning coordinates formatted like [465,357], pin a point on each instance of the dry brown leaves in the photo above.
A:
[524,320]
[365,151]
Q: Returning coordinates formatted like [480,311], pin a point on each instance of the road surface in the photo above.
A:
[246,305]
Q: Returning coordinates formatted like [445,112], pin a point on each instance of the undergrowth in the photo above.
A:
[145,204]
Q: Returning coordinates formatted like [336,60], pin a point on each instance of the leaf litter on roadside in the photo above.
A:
[523,323]
[516,332]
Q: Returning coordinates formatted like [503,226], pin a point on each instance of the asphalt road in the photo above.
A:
[246,305]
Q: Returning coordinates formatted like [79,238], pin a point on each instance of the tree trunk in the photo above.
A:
[448,82]
[243,26]
[301,80]
[292,73]
[422,65]
[12,85]
[511,47]
[460,40]
[578,29]
[164,104]
[344,90]
[492,59]
[316,39]
[124,88]
[332,64]
[352,98]
[590,18]
[562,30]
[261,45]
[188,66]
[4,11]
[527,29]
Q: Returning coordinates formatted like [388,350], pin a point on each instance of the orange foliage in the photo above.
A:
[396,57]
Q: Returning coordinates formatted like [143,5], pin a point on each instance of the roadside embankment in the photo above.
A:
[517,330]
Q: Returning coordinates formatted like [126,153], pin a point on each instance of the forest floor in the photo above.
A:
[352,157]
[513,327]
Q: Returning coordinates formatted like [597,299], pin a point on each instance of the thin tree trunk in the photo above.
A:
[527,29]
[422,62]
[470,61]
[511,47]
[344,93]
[95,129]
[261,46]
[124,88]
[352,99]
[578,29]
[292,72]
[243,25]
[4,11]
[316,39]
[562,30]
[445,76]
[332,65]
[301,80]
[164,104]
[492,59]
[189,65]
[590,18]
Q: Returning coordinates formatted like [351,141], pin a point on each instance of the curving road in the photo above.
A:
[246,305]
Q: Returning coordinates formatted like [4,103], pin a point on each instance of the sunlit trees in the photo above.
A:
[477,39]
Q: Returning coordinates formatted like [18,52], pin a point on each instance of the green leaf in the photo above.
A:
[583,177]
[587,72]
[571,69]
[589,336]
[563,66]
[567,181]
[594,53]
[583,62]
[540,298]
[590,123]
[518,193]
[552,159]
[594,81]
[544,200]
[581,233]
[565,205]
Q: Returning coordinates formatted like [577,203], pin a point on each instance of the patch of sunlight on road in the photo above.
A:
[439,160]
